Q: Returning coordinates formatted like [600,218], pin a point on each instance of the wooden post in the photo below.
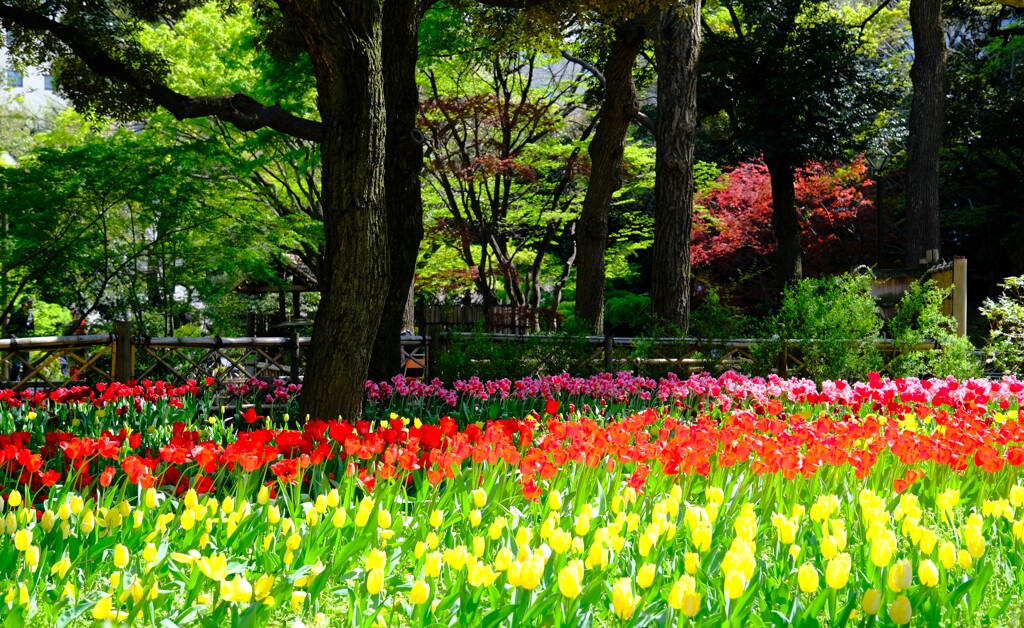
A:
[296,308]
[123,367]
[960,294]
[609,346]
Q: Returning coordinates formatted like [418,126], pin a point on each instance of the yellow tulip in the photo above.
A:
[532,571]
[645,576]
[570,579]
[88,522]
[61,567]
[32,557]
[433,565]
[475,517]
[121,556]
[560,541]
[947,555]
[297,600]
[691,562]
[807,577]
[437,518]
[214,567]
[479,497]
[900,611]
[22,539]
[872,601]
[374,581]
[14,499]
[623,600]
[102,608]
[503,559]
[264,586]
[837,572]
[734,584]
[481,575]
[47,520]
[376,559]
[236,590]
[419,593]
[928,573]
[963,558]
[555,500]
[901,576]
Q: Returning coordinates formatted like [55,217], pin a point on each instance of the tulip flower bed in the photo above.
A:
[614,501]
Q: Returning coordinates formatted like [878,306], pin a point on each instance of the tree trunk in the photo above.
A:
[617,110]
[677,50]
[356,269]
[403,160]
[785,221]
[927,112]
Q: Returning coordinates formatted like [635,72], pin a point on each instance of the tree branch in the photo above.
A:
[241,110]
[640,118]
[874,13]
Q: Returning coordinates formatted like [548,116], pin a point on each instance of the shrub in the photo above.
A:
[836,323]
[1005,350]
[918,319]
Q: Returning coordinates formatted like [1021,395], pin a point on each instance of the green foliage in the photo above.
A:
[788,76]
[919,319]
[1006,327]
[478,354]
[837,324]
[51,319]
[626,314]
[715,319]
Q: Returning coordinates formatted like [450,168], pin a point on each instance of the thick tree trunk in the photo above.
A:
[402,164]
[927,113]
[617,110]
[785,221]
[677,50]
[346,52]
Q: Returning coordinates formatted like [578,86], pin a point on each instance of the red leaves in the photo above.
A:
[734,230]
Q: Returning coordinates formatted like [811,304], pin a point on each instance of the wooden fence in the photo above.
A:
[61,361]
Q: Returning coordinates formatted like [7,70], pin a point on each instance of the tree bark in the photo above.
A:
[785,221]
[403,160]
[606,149]
[345,46]
[677,50]
[927,112]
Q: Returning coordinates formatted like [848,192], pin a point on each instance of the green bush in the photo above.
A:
[626,314]
[836,324]
[479,354]
[1005,350]
[918,319]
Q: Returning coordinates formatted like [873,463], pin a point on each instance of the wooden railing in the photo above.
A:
[682,355]
[61,361]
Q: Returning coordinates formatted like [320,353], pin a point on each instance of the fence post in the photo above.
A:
[296,356]
[123,367]
[960,294]
[609,345]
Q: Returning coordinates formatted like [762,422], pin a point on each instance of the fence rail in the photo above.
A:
[61,361]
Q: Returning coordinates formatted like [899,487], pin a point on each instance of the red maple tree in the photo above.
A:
[733,241]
